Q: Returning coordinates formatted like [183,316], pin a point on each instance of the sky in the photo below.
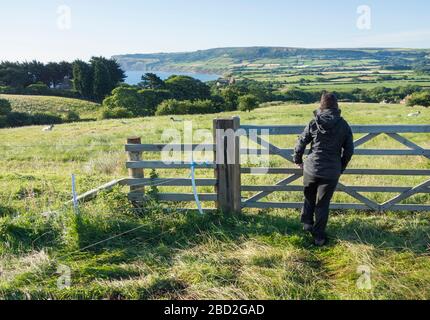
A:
[54,30]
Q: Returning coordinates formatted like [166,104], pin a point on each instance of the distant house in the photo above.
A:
[66,84]
[222,82]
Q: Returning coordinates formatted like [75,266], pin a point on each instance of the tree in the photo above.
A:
[248,102]
[37,72]
[57,72]
[419,99]
[176,107]
[301,96]
[116,74]
[152,81]
[5,107]
[83,79]
[107,75]
[102,82]
[152,98]
[187,88]
[96,79]
[66,69]
[15,74]
[231,98]
[127,98]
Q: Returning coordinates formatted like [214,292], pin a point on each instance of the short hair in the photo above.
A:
[329,101]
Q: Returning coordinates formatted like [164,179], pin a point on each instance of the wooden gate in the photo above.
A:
[370,132]
[227,178]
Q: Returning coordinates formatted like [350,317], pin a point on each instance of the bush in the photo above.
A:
[3,122]
[187,88]
[20,119]
[175,107]
[202,107]
[300,96]
[116,113]
[38,89]
[45,118]
[5,107]
[248,102]
[128,98]
[8,90]
[152,98]
[231,98]
[419,99]
[170,107]
[71,116]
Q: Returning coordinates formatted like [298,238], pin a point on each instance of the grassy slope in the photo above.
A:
[55,105]
[262,255]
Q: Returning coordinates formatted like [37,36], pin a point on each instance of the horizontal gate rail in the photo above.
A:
[163,147]
[357,172]
[354,188]
[176,197]
[334,206]
[359,152]
[164,165]
[175,182]
[377,129]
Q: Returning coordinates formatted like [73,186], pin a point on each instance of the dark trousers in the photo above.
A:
[318,194]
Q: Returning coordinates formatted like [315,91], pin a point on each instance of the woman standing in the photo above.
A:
[332,148]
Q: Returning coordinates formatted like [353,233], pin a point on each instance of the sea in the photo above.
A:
[134,77]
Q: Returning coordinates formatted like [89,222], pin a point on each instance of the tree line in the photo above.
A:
[179,95]
[92,80]
[24,74]
[186,95]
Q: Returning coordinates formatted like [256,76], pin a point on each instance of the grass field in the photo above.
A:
[259,255]
[55,105]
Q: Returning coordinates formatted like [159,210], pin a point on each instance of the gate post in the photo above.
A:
[227,164]
[137,192]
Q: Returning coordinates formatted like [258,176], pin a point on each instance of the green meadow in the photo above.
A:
[114,251]
[50,104]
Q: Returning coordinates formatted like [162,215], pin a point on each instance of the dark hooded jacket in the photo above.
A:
[332,145]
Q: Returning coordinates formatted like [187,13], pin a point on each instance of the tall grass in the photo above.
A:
[117,252]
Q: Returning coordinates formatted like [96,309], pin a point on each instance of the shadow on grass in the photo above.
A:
[182,231]
[6,211]
[109,248]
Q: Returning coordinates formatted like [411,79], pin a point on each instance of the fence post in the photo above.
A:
[227,161]
[138,192]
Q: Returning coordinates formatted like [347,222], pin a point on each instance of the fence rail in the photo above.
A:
[227,176]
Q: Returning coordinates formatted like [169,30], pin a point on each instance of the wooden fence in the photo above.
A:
[227,174]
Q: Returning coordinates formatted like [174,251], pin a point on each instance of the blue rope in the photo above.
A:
[74,195]
[193,182]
